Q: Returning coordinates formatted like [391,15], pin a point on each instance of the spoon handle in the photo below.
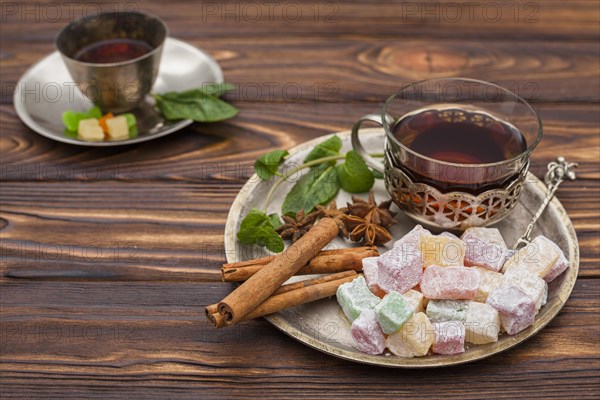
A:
[558,171]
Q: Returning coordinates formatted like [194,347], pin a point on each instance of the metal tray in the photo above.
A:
[323,326]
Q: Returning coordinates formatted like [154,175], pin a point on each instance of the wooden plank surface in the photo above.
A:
[533,20]
[107,256]
[90,337]
[225,152]
[339,70]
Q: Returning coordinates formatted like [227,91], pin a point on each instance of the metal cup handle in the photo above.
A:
[357,145]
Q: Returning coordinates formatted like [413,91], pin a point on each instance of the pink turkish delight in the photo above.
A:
[485,247]
[399,270]
[559,266]
[449,337]
[370,271]
[517,310]
[367,333]
[410,241]
[450,283]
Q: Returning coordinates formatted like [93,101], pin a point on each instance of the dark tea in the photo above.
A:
[113,51]
[458,136]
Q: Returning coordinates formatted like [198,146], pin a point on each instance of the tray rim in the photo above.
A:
[474,354]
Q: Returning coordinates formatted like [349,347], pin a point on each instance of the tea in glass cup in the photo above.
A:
[456,151]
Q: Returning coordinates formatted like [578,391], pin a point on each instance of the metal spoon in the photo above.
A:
[558,171]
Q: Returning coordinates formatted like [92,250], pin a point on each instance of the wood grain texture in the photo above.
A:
[108,256]
[337,70]
[225,152]
[73,340]
[166,231]
[515,19]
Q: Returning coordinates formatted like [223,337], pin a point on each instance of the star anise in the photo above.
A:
[381,213]
[367,229]
[337,214]
[295,227]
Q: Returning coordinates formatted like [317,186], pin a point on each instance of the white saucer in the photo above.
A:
[46,90]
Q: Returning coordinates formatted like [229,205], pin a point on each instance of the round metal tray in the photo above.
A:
[323,326]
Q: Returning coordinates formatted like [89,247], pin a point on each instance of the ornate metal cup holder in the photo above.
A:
[452,210]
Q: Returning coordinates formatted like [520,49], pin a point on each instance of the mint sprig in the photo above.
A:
[201,104]
[318,186]
[257,228]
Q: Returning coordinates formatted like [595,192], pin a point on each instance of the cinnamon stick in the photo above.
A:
[211,309]
[291,295]
[325,262]
[268,279]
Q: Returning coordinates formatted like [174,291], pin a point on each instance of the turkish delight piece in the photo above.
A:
[484,247]
[559,266]
[367,333]
[413,339]
[411,240]
[538,257]
[490,281]
[399,270]
[482,324]
[450,235]
[449,337]
[370,271]
[393,311]
[417,299]
[508,255]
[442,251]
[447,310]
[532,285]
[517,310]
[355,297]
[450,283]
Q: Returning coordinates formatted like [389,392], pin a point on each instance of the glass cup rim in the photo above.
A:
[525,153]
[86,18]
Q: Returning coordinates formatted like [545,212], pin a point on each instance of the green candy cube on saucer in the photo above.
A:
[355,297]
[393,311]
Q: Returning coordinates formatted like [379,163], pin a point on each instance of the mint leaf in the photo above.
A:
[318,186]
[257,228]
[195,105]
[354,175]
[330,147]
[267,165]
[275,221]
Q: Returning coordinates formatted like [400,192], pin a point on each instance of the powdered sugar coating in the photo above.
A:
[410,241]
[413,339]
[416,298]
[450,283]
[367,333]
[517,310]
[449,337]
[531,284]
[442,251]
[538,257]
[490,281]
[484,247]
[399,270]
[482,323]
[447,310]
[370,271]
[355,297]
[393,311]
[559,266]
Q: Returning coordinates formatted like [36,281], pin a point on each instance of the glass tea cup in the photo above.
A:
[113,86]
[456,151]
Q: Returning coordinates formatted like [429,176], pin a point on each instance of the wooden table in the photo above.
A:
[109,255]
